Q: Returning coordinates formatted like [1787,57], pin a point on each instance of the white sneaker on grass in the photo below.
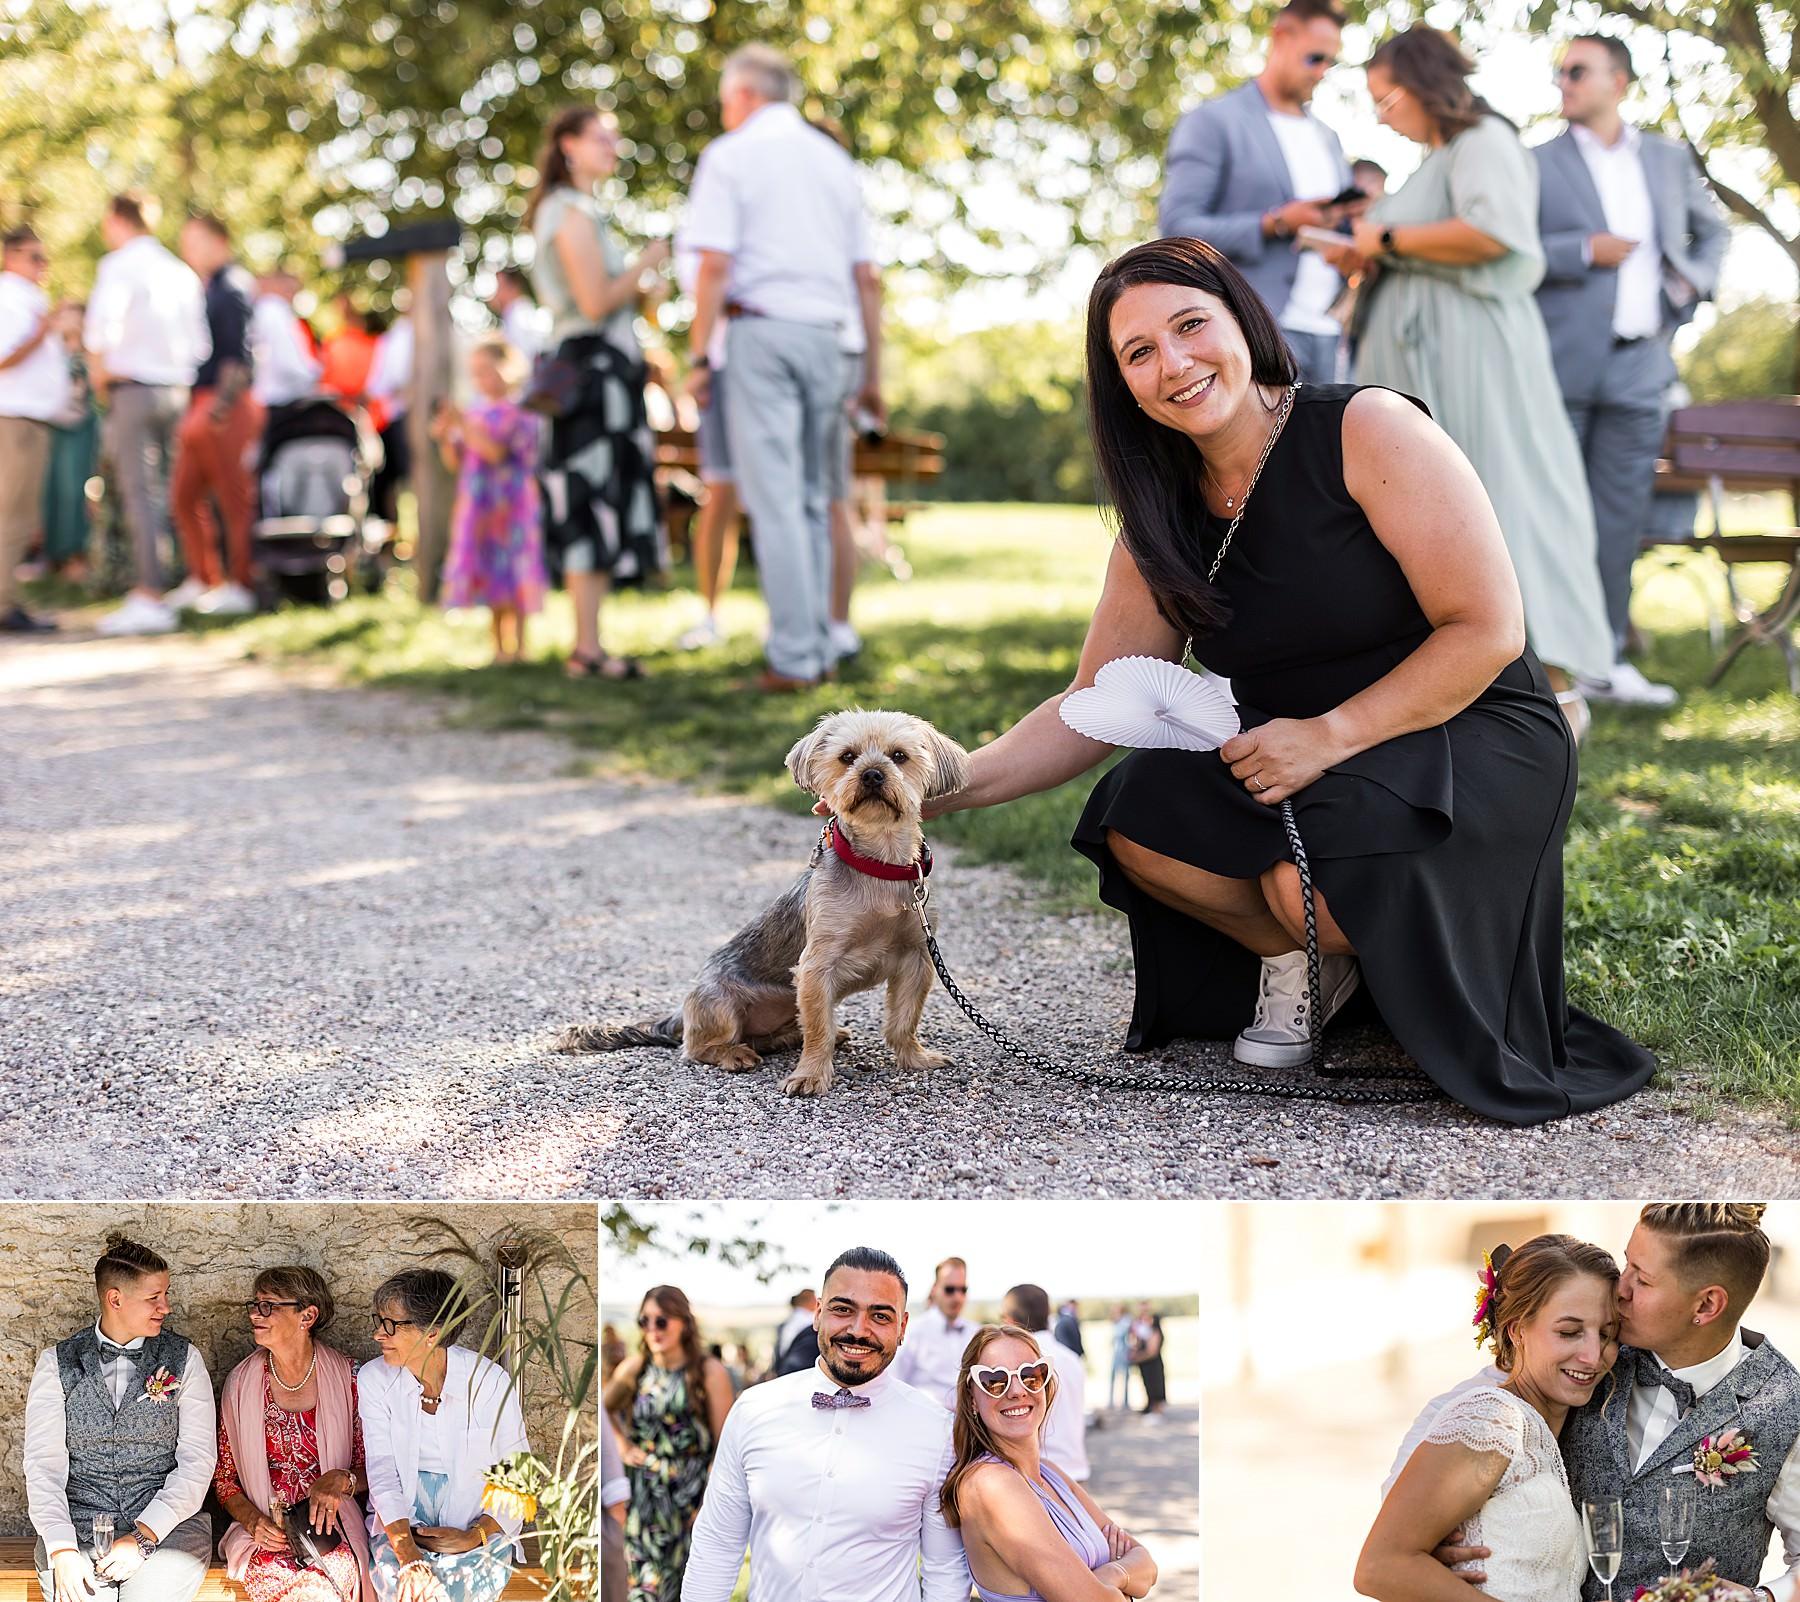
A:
[701,635]
[1279,1037]
[226,600]
[185,595]
[141,614]
[1627,686]
[843,640]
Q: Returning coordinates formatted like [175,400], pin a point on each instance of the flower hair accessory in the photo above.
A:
[161,1385]
[1486,1292]
[1695,1585]
[1721,1457]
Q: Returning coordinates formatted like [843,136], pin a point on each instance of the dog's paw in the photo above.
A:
[805,1081]
[843,1039]
[917,1058]
[737,1058]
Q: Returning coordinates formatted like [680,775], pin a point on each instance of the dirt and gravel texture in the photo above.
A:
[263,936]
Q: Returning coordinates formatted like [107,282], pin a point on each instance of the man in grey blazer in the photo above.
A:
[1245,172]
[1632,244]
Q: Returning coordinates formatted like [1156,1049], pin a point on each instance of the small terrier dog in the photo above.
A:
[841,928]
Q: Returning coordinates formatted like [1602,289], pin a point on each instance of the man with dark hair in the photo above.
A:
[797,1342]
[518,314]
[1247,171]
[120,1443]
[831,1477]
[931,1359]
[1632,244]
[34,388]
[1065,1431]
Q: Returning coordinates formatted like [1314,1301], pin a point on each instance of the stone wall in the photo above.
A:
[48,1250]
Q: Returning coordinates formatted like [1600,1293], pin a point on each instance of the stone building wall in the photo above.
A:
[214,1250]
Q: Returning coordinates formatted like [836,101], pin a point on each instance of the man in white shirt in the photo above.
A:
[34,387]
[1065,1433]
[777,218]
[1247,171]
[520,317]
[931,1359]
[390,383]
[285,368]
[146,337]
[831,1477]
[120,1426]
[1632,244]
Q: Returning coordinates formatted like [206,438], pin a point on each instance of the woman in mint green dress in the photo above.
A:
[1449,317]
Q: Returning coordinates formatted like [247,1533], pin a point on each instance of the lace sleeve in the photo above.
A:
[1482,1421]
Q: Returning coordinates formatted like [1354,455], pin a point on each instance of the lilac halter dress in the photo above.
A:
[1073,1523]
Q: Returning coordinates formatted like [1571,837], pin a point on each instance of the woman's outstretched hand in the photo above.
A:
[1281,758]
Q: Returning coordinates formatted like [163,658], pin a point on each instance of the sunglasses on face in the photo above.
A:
[1319,58]
[263,1308]
[956,1290]
[656,1321]
[1572,73]
[990,1381]
[388,1326]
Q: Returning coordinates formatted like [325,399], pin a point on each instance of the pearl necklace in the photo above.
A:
[275,1373]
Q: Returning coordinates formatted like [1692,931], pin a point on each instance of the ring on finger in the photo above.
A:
[1260,786]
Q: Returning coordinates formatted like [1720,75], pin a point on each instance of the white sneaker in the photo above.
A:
[701,635]
[141,614]
[227,600]
[1627,686]
[1278,1036]
[843,640]
[184,595]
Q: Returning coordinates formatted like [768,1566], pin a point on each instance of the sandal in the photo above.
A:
[603,666]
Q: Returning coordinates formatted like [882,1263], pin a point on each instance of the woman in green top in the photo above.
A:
[1450,318]
[602,523]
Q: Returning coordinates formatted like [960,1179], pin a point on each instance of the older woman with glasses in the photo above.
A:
[289,1438]
[436,1418]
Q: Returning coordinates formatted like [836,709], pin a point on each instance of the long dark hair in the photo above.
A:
[673,1303]
[1432,67]
[553,164]
[1150,472]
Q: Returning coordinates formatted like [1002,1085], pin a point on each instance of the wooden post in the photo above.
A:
[433,486]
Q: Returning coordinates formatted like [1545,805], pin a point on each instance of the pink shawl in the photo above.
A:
[241,1411]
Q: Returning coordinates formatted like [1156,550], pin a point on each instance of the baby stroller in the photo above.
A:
[313,538]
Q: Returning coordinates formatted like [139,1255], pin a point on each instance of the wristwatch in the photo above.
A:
[1387,242]
[145,1545]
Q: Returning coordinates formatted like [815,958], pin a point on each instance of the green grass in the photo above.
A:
[1682,863]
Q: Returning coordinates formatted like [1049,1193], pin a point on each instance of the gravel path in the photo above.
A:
[260,936]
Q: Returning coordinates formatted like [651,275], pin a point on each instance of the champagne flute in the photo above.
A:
[1603,1523]
[1675,1517]
[103,1535]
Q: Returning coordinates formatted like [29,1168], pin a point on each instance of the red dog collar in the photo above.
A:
[848,854]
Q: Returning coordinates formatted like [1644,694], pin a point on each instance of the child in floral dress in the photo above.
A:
[496,555]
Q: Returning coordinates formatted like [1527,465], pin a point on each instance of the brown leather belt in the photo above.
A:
[736,308]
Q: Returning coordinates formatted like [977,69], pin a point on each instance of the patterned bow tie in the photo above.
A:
[1650,1372]
[108,1351]
[839,1399]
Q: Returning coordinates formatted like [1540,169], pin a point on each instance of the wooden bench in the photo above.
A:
[1744,447]
[18,1579]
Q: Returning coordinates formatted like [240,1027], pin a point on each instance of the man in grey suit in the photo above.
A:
[1632,244]
[1247,171]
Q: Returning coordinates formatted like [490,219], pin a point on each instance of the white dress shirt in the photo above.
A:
[1313,172]
[390,373]
[1653,1413]
[146,319]
[835,1504]
[286,370]
[1618,174]
[47,1447]
[931,1355]
[37,387]
[781,199]
[1065,1433]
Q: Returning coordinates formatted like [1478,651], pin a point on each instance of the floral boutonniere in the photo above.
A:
[1696,1585]
[1721,1457]
[161,1385]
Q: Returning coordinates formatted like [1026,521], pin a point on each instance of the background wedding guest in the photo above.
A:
[777,217]
[670,1399]
[1065,1433]
[289,1434]
[347,355]
[74,456]
[931,1355]
[1245,172]
[1451,320]
[212,482]
[521,318]
[146,336]
[1370,177]
[102,1441]
[615,1498]
[1632,244]
[797,1342]
[602,527]
[713,539]
[34,389]
[286,369]
[1146,1351]
[389,399]
[1118,1378]
[1068,1327]
[435,1417]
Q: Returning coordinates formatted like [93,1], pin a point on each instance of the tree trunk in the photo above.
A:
[433,487]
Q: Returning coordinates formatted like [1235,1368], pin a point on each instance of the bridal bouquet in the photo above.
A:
[1690,1585]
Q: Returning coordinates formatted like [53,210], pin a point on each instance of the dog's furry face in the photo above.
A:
[877,769]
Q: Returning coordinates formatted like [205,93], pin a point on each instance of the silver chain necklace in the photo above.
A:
[1287,405]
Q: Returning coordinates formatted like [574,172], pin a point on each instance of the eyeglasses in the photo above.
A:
[387,1326]
[263,1308]
[955,1290]
[655,1321]
[1386,103]
[1319,58]
[1573,73]
[1032,1378]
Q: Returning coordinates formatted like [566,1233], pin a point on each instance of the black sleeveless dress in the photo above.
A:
[1439,852]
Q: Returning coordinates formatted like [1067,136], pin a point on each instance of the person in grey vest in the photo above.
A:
[1686,1373]
[1247,171]
[1632,245]
[120,1432]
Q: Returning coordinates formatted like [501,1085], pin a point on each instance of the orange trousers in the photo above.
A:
[214,465]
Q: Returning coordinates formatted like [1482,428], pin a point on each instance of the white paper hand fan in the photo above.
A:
[1145,702]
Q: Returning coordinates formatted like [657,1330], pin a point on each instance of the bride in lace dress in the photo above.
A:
[1489,1464]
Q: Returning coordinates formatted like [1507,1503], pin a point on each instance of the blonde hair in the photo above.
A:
[970,1435]
[1715,1243]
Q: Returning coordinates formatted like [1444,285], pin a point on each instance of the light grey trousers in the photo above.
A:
[787,385]
[139,438]
[1620,431]
[174,1572]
